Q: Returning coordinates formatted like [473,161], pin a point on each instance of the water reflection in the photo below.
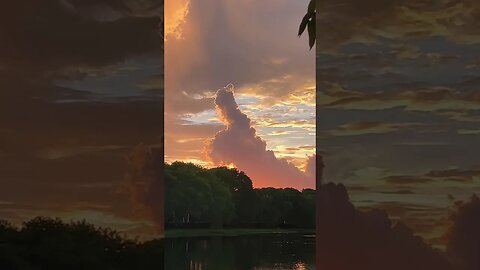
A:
[252,252]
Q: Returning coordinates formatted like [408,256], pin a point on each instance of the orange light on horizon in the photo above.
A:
[230,165]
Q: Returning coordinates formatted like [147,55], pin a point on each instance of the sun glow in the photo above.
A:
[177,12]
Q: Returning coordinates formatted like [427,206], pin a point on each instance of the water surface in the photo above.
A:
[280,251]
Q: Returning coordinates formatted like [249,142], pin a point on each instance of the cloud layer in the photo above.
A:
[212,43]
[398,103]
[73,104]
[239,144]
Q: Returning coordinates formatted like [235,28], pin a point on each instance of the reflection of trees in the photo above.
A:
[264,251]
[44,243]
[196,196]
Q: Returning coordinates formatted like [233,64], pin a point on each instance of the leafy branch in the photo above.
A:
[308,22]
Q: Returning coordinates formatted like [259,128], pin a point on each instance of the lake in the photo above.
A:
[279,251]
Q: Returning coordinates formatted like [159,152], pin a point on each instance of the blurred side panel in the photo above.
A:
[81,124]
[397,126]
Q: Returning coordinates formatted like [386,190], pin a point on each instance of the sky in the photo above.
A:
[81,87]
[251,49]
[399,107]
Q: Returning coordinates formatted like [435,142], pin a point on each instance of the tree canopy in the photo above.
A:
[46,243]
[218,197]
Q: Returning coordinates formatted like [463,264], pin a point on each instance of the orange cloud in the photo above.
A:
[176,12]
[239,144]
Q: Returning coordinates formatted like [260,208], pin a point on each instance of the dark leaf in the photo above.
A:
[303,25]
[311,6]
[311,32]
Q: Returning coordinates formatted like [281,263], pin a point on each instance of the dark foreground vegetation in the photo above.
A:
[351,239]
[197,197]
[44,243]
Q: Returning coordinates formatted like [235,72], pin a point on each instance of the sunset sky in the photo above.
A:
[81,85]
[253,46]
[399,105]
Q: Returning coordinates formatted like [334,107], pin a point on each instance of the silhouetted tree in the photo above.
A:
[46,243]
[351,239]
[222,196]
[463,238]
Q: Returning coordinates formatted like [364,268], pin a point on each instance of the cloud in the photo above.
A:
[181,103]
[401,192]
[43,39]
[468,131]
[81,150]
[348,21]
[272,69]
[448,175]
[311,166]
[185,140]
[65,142]
[177,12]
[427,100]
[239,144]
[79,124]
[363,128]
[260,48]
[455,175]
[462,116]
[407,179]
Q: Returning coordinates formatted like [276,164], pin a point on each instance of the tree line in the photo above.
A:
[224,197]
[46,243]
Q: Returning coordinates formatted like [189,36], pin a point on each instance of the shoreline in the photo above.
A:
[232,232]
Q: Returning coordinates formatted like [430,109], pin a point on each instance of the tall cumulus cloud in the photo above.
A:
[239,144]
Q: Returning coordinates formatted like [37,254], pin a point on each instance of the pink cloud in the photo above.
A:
[239,144]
